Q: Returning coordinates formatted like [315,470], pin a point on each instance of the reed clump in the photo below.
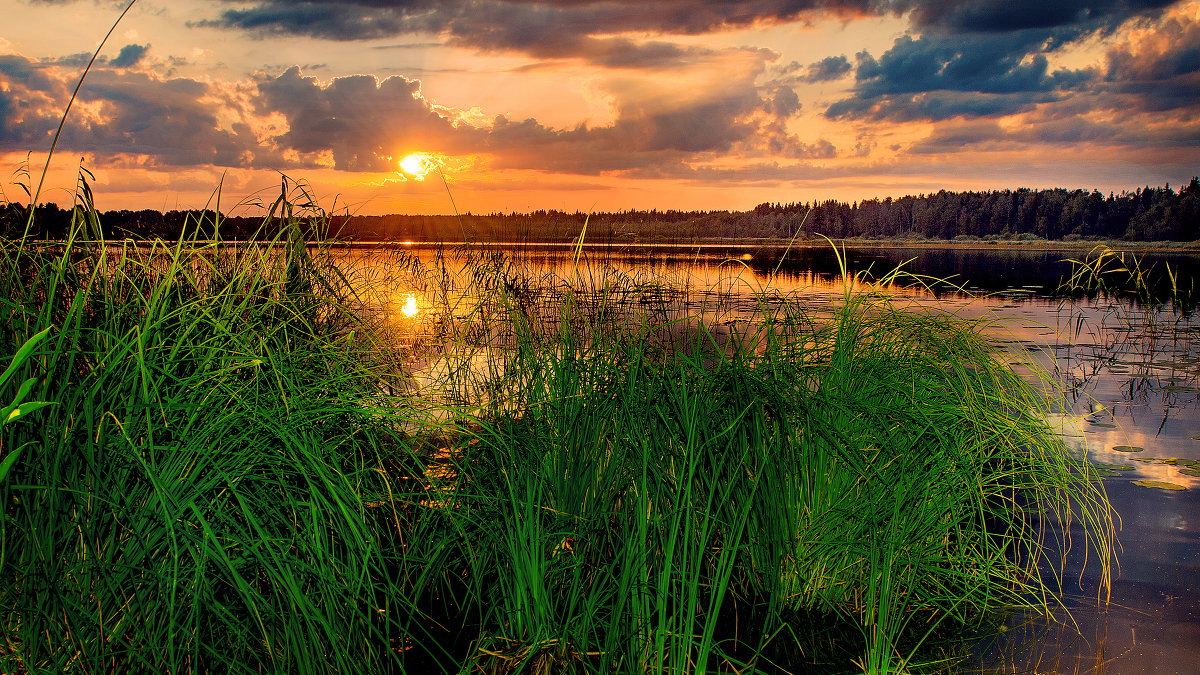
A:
[850,491]
[193,497]
[599,477]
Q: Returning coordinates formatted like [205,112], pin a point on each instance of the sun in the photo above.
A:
[415,165]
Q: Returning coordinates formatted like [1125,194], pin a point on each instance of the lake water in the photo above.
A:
[1131,373]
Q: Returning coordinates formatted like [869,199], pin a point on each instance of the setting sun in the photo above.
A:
[415,165]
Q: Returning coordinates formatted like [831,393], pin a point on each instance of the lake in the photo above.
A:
[1129,369]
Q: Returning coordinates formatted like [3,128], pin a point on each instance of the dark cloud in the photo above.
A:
[934,106]
[1006,16]
[981,58]
[518,22]
[330,20]
[129,56]
[171,122]
[937,77]
[580,30]
[829,68]
[826,70]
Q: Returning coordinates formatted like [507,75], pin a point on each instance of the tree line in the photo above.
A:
[1145,214]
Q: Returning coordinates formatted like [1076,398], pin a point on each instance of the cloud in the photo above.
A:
[1056,129]
[362,121]
[783,102]
[175,122]
[990,16]
[505,20]
[129,56]
[828,68]
[1159,72]
[980,58]
[939,77]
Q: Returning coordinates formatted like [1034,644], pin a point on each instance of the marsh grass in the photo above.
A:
[604,473]
[849,492]
[194,499]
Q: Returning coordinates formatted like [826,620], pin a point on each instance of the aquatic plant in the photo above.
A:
[195,499]
[612,474]
[838,491]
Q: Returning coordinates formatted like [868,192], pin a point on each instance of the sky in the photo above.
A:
[433,106]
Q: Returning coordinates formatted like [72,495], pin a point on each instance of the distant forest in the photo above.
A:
[1147,214]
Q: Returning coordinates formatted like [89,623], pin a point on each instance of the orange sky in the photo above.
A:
[590,105]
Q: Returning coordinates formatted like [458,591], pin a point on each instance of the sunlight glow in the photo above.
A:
[410,306]
[415,165]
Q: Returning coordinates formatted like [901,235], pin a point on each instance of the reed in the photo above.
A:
[605,473]
[839,492]
[195,498]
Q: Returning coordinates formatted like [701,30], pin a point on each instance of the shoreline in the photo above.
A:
[1192,247]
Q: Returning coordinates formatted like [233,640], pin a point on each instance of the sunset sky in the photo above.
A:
[598,105]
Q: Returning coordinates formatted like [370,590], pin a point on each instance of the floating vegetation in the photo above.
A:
[1169,461]
[1112,467]
[1159,485]
[1128,448]
[1190,472]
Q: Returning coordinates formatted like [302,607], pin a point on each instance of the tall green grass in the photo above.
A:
[601,475]
[855,491]
[194,499]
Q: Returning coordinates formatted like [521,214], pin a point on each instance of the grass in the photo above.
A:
[600,477]
[193,500]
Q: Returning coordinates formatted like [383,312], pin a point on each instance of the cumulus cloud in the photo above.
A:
[362,121]
[169,121]
[129,56]
[828,68]
[1160,73]
[938,77]
[979,58]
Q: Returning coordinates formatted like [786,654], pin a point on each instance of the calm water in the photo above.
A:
[1131,373]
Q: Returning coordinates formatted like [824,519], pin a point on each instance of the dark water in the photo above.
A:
[1131,370]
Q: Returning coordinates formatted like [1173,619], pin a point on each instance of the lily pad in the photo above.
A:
[1107,473]
[1128,448]
[1190,472]
[1113,467]
[1103,424]
[1160,484]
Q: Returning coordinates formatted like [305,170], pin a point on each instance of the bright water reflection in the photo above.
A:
[1130,374]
